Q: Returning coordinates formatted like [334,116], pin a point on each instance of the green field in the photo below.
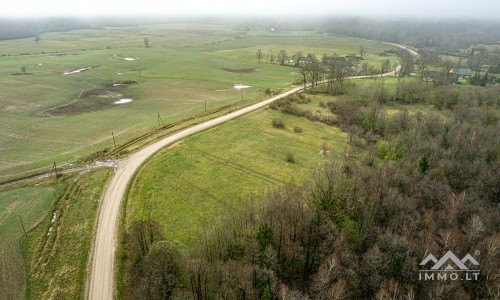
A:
[30,203]
[57,250]
[40,265]
[187,187]
[47,116]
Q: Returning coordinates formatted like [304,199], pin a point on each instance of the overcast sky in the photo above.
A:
[477,9]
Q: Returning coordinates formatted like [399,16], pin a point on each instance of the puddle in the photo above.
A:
[54,217]
[125,58]
[50,229]
[122,101]
[77,71]
[240,86]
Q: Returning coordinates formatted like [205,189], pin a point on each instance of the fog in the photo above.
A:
[446,9]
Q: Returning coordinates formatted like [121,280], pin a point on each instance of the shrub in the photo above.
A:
[278,123]
[383,150]
[297,129]
[290,158]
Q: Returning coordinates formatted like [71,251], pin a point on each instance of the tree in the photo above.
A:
[37,39]
[146,42]
[304,73]
[298,56]
[385,66]
[265,236]
[282,57]
[362,50]
[406,62]
[162,268]
[23,69]
[142,234]
[259,54]
[421,66]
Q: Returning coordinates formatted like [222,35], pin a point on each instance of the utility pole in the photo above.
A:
[54,169]
[113,135]
[160,121]
[22,224]
[241,92]
[205,105]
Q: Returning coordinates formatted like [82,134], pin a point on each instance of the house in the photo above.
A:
[462,72]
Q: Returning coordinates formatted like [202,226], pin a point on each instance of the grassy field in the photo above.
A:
[57,249]
[47,116]
[186,187]
[30,203]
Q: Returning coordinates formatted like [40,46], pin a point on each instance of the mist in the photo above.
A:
[458,9]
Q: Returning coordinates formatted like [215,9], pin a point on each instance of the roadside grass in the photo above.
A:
[57,249]
[175,77]
[187,187]
[29,203]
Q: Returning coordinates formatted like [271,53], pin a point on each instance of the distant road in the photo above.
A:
[101,285]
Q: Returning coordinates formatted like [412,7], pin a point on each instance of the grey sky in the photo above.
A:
[478,9]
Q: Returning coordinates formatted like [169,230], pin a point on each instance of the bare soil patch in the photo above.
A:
[239,71]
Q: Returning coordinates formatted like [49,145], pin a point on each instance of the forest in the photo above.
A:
[417,182]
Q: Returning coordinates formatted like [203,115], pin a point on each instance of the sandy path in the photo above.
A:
[101,285]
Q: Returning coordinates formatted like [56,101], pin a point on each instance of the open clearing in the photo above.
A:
[186,67]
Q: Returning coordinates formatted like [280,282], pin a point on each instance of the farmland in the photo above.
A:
[47,116]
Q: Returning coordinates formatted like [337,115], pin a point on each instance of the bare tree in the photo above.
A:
[259,54]
[385,66]
[406,62]
[282,56]
[362,50]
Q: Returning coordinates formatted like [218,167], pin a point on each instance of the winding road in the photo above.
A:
[101,277]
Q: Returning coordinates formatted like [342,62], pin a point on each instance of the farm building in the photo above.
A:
[462,72]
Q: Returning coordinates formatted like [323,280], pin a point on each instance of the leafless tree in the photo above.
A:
[362,50]
[259,54]
[282,56]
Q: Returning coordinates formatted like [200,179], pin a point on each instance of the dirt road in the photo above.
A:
[101,285]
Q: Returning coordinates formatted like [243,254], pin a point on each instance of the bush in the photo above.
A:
[290,158]
[297,129]
[278,123]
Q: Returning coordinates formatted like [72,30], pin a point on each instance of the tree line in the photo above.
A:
[415,183]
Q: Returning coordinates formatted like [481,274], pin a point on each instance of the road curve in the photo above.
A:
[101,285]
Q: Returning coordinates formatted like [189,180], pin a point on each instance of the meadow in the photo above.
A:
[29,204]
[187,187]
[57,250]
[46,116]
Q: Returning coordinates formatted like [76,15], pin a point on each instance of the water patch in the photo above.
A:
[54,217]
[50,230]
[240,86]
[77,71]
[122,101]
